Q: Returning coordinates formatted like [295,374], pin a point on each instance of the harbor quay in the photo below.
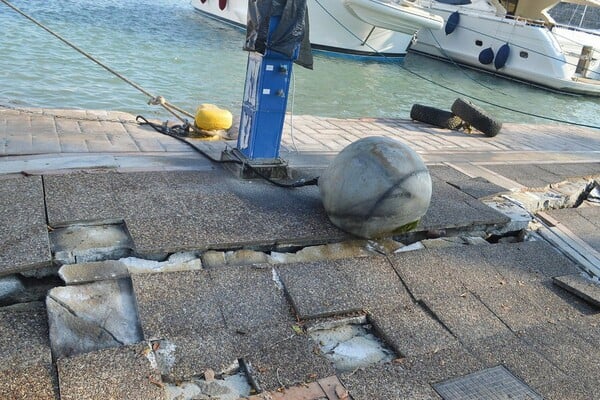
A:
[133,267]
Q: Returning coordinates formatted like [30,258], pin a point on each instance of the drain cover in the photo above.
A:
[492,383]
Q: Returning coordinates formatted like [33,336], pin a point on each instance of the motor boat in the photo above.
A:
[370,28]
[516,39]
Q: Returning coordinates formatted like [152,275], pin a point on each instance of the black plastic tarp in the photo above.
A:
[290,32]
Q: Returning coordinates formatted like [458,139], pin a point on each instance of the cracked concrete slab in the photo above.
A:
[92,316]
[410,331]
[477,187]
[249,297]
[127,372]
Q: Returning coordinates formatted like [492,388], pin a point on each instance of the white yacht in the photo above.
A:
[356,27]
[516,39]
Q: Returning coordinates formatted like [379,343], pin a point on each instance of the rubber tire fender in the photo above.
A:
[476,117]
[435,116]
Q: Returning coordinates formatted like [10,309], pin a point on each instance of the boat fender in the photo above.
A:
[476,117]
[502,56]
[222,4]
[211,118]
[486,56]
[452,22]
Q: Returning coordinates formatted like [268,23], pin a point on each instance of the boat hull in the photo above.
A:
[332,28]
[536,55]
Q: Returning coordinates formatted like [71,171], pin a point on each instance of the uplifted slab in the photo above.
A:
[167,212]
[23,232]
[583,222]
[580,286]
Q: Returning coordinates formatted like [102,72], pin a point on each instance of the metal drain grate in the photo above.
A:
[491,384]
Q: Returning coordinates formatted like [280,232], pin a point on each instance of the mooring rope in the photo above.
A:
[154,100]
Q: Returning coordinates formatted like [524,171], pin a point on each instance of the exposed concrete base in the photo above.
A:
[253,169]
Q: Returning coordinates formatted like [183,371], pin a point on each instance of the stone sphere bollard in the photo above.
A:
[376,187]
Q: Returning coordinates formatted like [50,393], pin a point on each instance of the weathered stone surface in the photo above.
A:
[11,288]
[175,262]
[375,186]
[29,381]
[23,248]
[127,372]
[235,257]
[477,187]
[92,316]
[583,222]
[89,243]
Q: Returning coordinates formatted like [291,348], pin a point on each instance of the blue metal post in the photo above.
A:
[264,104]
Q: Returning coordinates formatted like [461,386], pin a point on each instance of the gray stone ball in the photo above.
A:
[376,187]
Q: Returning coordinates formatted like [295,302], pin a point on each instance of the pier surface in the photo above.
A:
[173,271]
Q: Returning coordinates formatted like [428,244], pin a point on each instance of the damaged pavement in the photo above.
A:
[196,285]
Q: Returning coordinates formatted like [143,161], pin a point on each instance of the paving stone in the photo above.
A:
[24,335]
[319,289]
[465,316]
[583,222]
[26,370]
[518,357]
[477,187]
[173,304]
[249,297]
[23,233]
[118,373]
[568,351]
[410,331]
[572,170]
[530,175]
[442,365]
[24,249]
[580,286]
[79,197]
[451,208]
[29,381]
[289,362]
[387,381]
[446,174]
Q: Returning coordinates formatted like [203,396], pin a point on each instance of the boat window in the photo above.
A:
[524,54]
[455,2]
[510,6]
[478,43]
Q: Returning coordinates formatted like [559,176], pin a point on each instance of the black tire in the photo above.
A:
[476,117]
[435,116]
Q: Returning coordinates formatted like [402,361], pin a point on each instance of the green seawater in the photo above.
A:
[171,50]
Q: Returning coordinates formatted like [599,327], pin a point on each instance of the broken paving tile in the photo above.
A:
[176,262]
[92,316]
[231,387]
[409,330]
[92,272]
[172,304]
[89,243]
[119,373]
[29,381]
[249,297]
[181,358]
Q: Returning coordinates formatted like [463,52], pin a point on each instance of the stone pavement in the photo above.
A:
[180,281]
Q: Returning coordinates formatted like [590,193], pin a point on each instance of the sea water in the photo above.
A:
[169,49]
